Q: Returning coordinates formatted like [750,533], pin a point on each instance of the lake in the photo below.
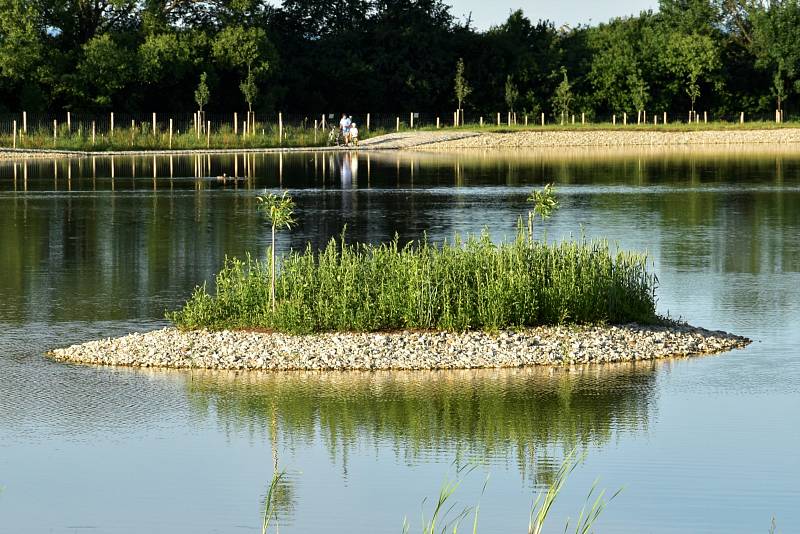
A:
[99,247]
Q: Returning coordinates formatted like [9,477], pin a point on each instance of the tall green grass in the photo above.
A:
[458,285]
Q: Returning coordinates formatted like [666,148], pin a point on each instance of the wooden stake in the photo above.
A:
[437,123]
[15,140]
[235,123]
[625,118]
[705,117]
[208,135]
[498,119]
[112,123]
[614,119]
[69,122]
[367,121]
[526,119]
[25,122]
[741,118]
[94,127]
[170,134]
[665,118]
[280,127]
[542,119]
[509,118]
[55,130]
[154,124]
[411,119]
[583,118]
[397,127]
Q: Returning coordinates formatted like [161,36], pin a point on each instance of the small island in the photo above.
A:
[466,303]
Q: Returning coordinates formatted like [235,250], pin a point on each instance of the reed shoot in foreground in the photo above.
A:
[459,285]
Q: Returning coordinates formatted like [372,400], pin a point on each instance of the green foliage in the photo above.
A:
[462,88]
[544,204]
[776,47]
[202,93]
[472,284]
[512,93]
[104,71]
[562,99]
[280,212]
[145,56]
[692,58]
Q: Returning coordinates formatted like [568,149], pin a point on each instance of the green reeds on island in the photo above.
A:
[458,285]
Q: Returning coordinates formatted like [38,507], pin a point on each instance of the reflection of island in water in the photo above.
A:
[479,414]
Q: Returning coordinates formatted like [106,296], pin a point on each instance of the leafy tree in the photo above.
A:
[103,72]
[249,89]
[544,204]
[692,58]
[776,47]
[512,93]
[202,94]
[245,50]
[562,99]
[280,212]
[462,88]
[639,90]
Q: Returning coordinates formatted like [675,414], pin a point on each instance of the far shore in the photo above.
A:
[464,139]
[544,345]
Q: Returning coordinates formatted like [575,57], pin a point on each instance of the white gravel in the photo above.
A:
[555,345]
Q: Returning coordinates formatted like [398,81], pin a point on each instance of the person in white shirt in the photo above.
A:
[354,134]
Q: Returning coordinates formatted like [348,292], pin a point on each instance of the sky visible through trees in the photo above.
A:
[309,56]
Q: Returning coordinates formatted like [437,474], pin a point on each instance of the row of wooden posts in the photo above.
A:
[202,126]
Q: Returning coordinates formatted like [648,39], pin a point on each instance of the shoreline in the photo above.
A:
[547,345]
[448,140]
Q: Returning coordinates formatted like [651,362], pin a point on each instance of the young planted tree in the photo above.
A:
[512,93]
[249,90]
[462,88]
[544,204]
[563,96]
[202,94]
[639,91]
[280,212]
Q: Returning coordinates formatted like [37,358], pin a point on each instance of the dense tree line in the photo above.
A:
[723,56]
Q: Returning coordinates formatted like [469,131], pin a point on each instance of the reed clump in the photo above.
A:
[458,285]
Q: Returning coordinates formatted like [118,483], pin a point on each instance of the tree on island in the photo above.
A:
[462,89]
[280,212]
[544,204]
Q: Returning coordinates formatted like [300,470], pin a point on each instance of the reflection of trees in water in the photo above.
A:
[504,413]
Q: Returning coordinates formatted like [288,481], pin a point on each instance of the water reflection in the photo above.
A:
[491,415]
[144,230]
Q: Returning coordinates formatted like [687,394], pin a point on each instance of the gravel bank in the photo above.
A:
[617,138]
[555,345]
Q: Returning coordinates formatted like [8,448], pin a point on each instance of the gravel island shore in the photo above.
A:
[550,345]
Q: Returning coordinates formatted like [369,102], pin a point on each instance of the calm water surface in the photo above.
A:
[99,247]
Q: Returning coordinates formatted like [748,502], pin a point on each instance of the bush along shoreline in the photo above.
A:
[464,303]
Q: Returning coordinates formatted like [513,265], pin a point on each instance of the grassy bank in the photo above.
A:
[142,138]
[474,284]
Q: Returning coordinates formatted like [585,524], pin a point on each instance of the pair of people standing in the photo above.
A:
[349,130]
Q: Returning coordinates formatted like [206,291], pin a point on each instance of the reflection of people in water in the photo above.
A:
[349,169]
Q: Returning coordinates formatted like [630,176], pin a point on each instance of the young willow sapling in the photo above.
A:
[280,212]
